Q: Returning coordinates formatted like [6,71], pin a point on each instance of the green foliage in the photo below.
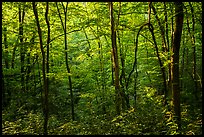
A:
[89,59]
[30,124]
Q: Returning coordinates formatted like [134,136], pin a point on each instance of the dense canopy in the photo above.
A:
[89,68]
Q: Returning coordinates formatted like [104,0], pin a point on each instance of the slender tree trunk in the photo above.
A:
[162,31]
[175,61]
[166,22]
[45,105]
[115,61]
[66,55]
[22,48]
[88,51]
[194,49]
[170,65]
[168,51]
[112,68]
[135,89]
[164,90]
[67,65]
[47,64]
[48,41]
[124,96]
[102,76]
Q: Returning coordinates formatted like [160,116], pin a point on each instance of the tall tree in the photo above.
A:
[192,36]
[125,97]
[64,26]
[170,65]
[45,105]
[47,59]
[162,30]
[22,47]
[164,47]
[115,60]
[175,60]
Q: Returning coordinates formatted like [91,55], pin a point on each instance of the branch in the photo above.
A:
[63,34]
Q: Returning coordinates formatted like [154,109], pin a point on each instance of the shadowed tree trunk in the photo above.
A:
[151,29]
[115,61]
[124,95]
[170,65]
[192,36]
[64,26]
[45,105]
[175,61]
[48,48]
[162,30]
[22,50]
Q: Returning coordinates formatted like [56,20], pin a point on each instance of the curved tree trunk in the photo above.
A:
[164,49]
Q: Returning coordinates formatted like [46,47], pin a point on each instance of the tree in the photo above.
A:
[175,61]
[115,61]
[192,36]
[47,59]
[45,103]
[164,49]
[67,43]
[64,26]
[125,97]
[22,48]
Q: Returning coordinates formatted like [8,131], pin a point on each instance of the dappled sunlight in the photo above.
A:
[101,68]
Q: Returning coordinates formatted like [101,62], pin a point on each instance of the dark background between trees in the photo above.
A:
[101,68]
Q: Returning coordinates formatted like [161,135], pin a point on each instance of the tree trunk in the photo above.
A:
[166,21]
[162,31]
[48,48]
[151,29]
[66,55]
[45,105]
[170,65]
[194,50]
[115,61]
[22,50]
[175,61]
[168,50]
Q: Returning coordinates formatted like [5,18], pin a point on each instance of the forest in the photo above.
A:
[101,68]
